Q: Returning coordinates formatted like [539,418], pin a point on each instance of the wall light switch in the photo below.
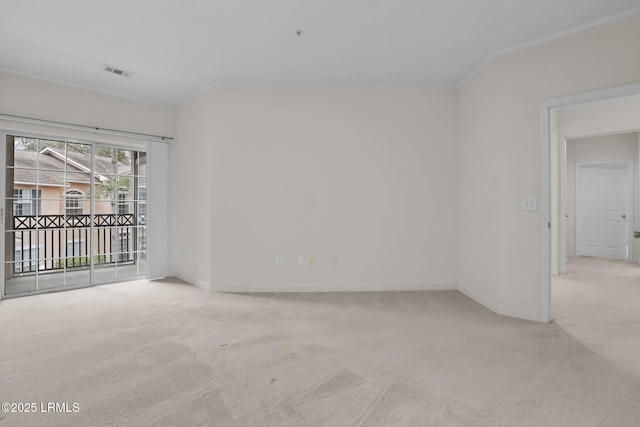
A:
[529,204]
[279,260]
[311,260]
[300,260]
[335,260]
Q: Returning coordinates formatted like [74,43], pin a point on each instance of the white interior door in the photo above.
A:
[603,202]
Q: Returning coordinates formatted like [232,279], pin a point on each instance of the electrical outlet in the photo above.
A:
[311,260]
[279,260]
[529,204]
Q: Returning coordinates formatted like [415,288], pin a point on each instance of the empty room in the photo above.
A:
[294,213]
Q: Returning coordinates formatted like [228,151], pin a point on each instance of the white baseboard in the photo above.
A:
[520,313]
[501,309]
[331,287]
[479,298]
[202,285]
[504,310]
[195,282]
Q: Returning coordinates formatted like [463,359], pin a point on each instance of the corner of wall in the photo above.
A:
[202,285]
[479,298]
[205,286]
[501,309]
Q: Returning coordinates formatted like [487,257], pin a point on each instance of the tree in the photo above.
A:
[108,189]
[122,156]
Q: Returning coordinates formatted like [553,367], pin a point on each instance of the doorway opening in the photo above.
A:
[74,214]
[554,216]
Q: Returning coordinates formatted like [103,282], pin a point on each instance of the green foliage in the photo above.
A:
[83,261]
[124,156]
[109,189]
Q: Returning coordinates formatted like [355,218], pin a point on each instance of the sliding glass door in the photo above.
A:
[75,214]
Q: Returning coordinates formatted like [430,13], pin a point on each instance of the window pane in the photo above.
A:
[125,162]
[106,161]
[104,207]
[50,155]
[26,201]
[80,181]
[142,164]
[74,203]
[123,204]
[107,188]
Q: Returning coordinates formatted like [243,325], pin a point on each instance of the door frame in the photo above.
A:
[3,204]
[546,106]
[630,192]
[3,154]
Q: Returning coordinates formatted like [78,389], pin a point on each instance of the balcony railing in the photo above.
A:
[55,242]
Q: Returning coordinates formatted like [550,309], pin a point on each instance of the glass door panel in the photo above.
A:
[73,214]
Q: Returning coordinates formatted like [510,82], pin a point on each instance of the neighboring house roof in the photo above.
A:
[51,164]
[51,170]
[104,166]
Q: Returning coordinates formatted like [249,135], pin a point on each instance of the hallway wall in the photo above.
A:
[594,149]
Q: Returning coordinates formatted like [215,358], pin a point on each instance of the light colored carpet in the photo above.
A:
[598,303]
[168,354]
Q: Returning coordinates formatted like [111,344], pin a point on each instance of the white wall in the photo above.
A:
[191,161]
[594,149]
[601,118]
[500,162]
[367,174]
[28,97]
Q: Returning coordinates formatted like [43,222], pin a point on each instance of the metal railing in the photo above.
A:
[56,242]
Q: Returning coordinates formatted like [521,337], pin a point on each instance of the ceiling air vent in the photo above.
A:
[118,71]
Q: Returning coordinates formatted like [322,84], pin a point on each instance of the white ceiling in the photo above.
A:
[176,48]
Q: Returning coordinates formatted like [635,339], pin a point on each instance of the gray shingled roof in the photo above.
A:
[51,167]
[104,165]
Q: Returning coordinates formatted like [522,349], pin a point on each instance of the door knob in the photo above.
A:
[624,217]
